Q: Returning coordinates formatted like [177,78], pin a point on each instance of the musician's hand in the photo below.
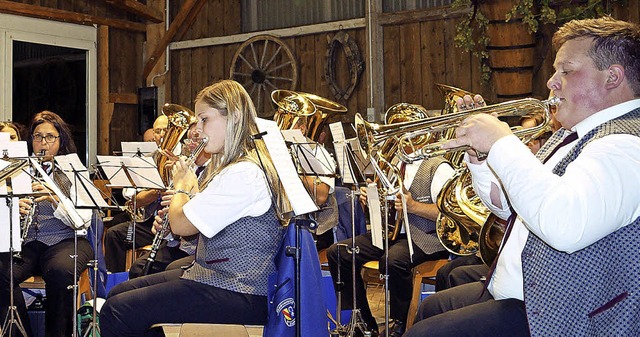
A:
[167,196]
[183,177]
[25,205]
[410,202]
[363,194]
[171,159]
[38,187]
[157,222]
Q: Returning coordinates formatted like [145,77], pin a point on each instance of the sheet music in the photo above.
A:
[146,149]
[112,167]
[405,222]
[298,196]
[363,164]
[78,193]
[142,170]
[314,159]
[5,137]
[341,152]
[78,220]
[19,186]
[375,216]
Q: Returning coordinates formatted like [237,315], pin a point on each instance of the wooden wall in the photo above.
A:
[418,52]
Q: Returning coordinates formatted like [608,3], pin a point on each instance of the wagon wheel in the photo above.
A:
[262,64]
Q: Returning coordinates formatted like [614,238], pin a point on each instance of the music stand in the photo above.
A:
[12,318]
[300,200]
[85,196]
[131,172]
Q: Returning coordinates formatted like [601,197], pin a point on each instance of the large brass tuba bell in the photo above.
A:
[293,106]
[179,120]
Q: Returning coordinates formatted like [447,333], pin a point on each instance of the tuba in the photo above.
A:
[179,120]
[293,106]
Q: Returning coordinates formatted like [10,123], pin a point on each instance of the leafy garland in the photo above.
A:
[471,32]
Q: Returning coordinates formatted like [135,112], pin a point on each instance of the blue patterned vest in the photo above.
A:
[423,231]
[594,291]
[240,257]
[45,227]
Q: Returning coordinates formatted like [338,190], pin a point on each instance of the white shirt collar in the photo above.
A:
[605,115]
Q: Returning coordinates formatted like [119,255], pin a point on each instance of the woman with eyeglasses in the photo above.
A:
[49,242]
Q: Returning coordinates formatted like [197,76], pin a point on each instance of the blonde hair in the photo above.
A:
[233,101]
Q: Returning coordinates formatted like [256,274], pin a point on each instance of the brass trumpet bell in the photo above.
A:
[293,103]
[179,118]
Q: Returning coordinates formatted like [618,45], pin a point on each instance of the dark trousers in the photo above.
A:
[164,257]
[181,263]
[468,311]
[399,271]
[57,268]
[133,306]
[449,273]
[116,244]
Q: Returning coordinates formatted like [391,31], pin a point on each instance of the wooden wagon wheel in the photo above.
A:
[263,64]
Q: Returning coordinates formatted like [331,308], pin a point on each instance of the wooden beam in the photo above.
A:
[48,13]
[181,18]
[105,109]
[123,98]
[139,9]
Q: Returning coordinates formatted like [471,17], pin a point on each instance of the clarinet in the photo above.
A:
[157,239]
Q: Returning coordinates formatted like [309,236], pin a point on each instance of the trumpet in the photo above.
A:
[371,135]
[157,239]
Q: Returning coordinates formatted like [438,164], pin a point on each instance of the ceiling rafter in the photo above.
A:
[178,27]
[49,13]
[139,9]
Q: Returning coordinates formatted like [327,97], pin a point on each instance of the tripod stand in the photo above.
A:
[13,318]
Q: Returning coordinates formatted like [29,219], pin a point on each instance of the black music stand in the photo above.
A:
[95,203]
[135,176]
[12,315]
[299,220]
[356,322]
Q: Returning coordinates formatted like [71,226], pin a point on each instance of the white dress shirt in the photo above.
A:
[598,194]
[238,191]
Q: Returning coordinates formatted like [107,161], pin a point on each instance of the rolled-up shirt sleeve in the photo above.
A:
[238,191]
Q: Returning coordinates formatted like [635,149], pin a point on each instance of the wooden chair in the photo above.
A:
[138,253]
[84,285]
[424,273]
[207,330]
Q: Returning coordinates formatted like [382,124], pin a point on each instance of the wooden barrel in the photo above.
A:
[511,50]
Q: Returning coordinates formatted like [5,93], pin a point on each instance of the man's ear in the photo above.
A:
[616,76]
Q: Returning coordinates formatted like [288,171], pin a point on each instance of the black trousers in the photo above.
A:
[400,273]
[133,306]
[451,275]
[164,257]
[467,310]
[57,268]
[116,244]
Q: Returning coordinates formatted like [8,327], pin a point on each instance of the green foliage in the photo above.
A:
[471,31]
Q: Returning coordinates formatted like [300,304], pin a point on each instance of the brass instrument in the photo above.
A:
[388,177]
[292,106]
[371,135]
[157,239]
[179,120]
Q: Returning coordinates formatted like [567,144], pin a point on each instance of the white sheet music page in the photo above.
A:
[375,215]
[23,186]
[313,158]
[363,164]
[82,189]
[298,196]
[112,167]
[74,218]
[143,172]
[144,149]
[341,152]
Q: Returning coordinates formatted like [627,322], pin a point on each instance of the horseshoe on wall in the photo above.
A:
[354,61]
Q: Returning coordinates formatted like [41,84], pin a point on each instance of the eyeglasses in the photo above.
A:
[48,138]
